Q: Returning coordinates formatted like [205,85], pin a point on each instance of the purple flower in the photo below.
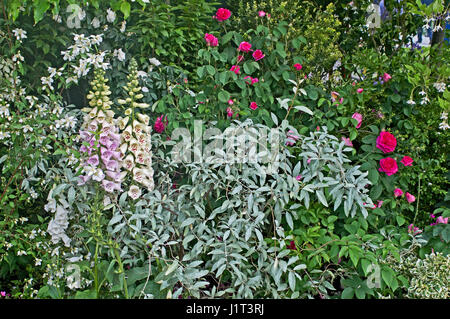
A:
[83,179]
[93,160]
[3,293]
[114,175]
[106,154]
[110,186]
[111,165]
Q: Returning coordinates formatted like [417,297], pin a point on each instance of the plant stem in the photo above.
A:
[96,271]
[121,271]
[417,203]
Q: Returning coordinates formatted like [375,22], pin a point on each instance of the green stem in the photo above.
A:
[417,203]
[96,270]
[121,271]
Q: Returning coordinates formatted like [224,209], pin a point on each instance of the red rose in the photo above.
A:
[222,14]
[298,66]
[407,161]
[211,40]
[245,47]
[253,106]
[388,165]
[258,55]
[386,142]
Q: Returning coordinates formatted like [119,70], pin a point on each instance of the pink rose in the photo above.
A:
[253,106]
[159,125]
[229,112]
[386,142]
[298,177]
[261,13]
[298,66]
[414,230]
[410,198]
[240,58]
[388,165]
[222,14]
[442,220]
[386,77]
[407,161]
[230,102]
[398,192]
[245,47]
[347,141]
[258,55]
[211,40]
[360,90]
[359,118]
[255,80]
[235,69]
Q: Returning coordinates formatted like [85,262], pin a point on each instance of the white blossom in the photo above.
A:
[119,54]
[123,26]
[20,34]
[95,22]
[155,62]
[111,15]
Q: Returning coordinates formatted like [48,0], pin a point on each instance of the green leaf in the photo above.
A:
[125,7]
[348,293]
[360,293]
[200,71]
[224,96]
[41,6]
[396,98]
[86,294]
[304,109]
[387,276]
[400,220]
[373,176]
[376,191]
[210,69]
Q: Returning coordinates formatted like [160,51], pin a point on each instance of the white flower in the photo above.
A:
[134,192]
[145,89]
[155,62]
[38,262]
[57,18]
[17,57]
[95,22]
[444,115]
[21,253]
[23,220]
[111,15]
[47,81]
[440,86]
[97,39]
[4,135]
[423,93]
[444,126]
[27,128]
[32,234]
[123,26]
[119,54]
[20,34]
[410,102]
[142,74]
[33,193]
